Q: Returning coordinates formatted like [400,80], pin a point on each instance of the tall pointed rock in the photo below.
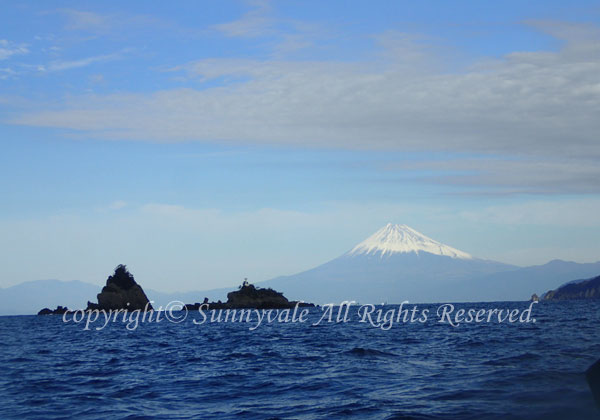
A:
[121,292]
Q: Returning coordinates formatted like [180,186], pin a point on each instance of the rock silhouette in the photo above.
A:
[60,310]
[251,297]
[121,292]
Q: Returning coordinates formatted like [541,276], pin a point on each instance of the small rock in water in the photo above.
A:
[60,310]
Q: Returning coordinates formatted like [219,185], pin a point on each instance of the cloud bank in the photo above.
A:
[526,104]
[525,123]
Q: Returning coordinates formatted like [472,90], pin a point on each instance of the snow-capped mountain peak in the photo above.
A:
[402,239]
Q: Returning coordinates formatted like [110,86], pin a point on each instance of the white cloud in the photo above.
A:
[117,205]
[569,213]
[82,62]
[527,104]
[285,36]
[507,176]
[254,23]
[87,21]
[6,72]
[8,49]
[578,32]
[538,109]
[116,25]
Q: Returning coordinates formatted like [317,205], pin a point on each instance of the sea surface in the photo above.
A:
[166,370]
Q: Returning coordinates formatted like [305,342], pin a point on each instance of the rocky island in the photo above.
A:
[121,292]
[580,289]
[60,310]
[250,297]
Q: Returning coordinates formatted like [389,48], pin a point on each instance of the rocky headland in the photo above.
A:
[582,289]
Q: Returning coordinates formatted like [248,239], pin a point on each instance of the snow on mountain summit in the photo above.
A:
[402,239]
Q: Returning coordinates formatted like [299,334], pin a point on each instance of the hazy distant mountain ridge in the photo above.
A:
[394,264]
[29,297]
[422,277]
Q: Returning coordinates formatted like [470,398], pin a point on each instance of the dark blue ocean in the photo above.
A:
[56,370]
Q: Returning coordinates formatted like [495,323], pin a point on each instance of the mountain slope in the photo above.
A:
[520,284]
[575,290]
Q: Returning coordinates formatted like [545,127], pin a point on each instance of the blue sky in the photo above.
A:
[212,141]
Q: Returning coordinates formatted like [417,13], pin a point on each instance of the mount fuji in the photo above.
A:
[394,264]
[402,239]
